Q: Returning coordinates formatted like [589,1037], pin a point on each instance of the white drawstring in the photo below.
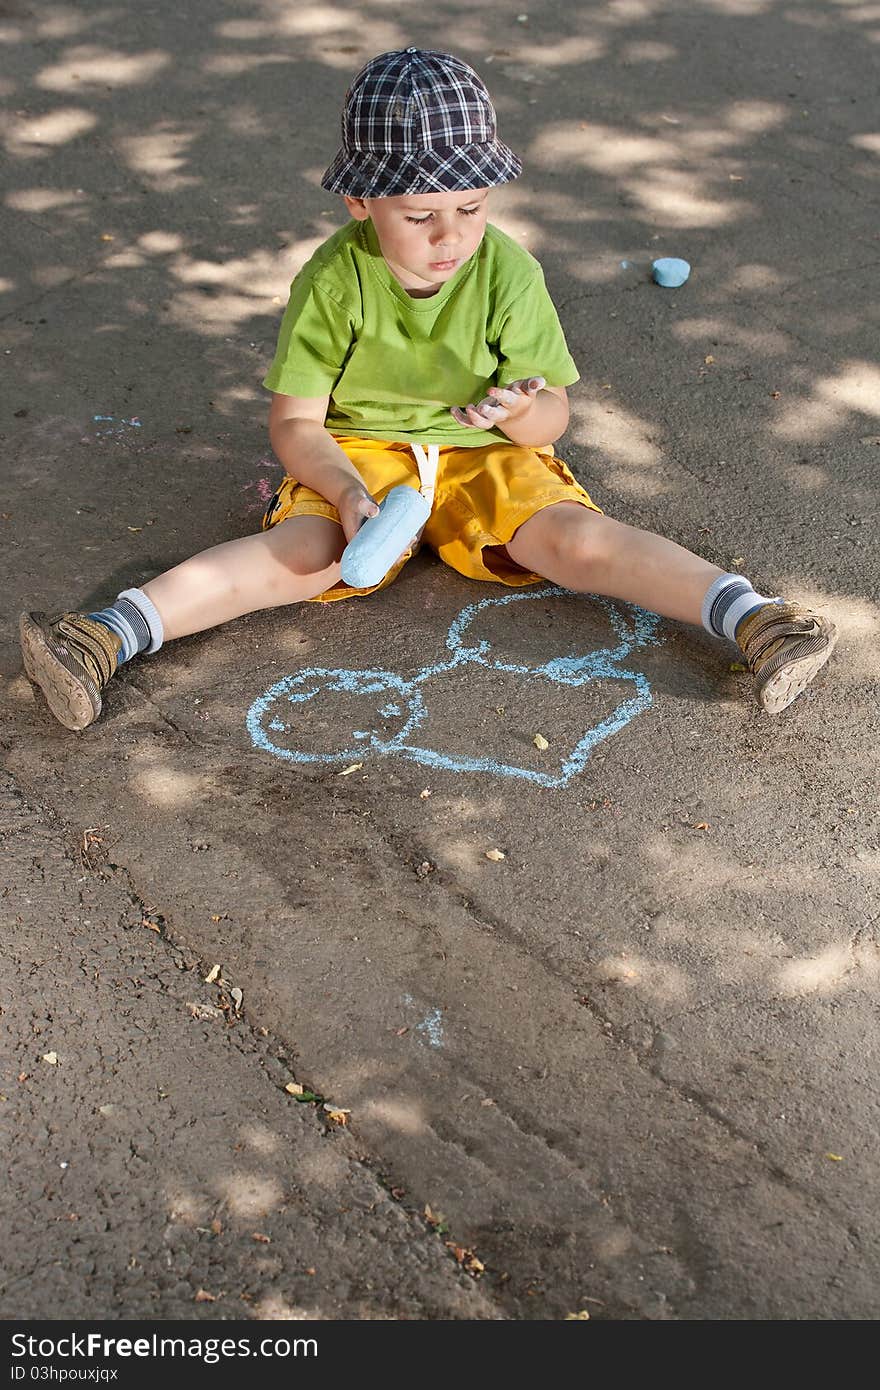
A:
[427,466]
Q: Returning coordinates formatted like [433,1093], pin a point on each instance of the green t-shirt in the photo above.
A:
[393,365]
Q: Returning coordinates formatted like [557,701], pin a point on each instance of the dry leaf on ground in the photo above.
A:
[466,1258]
[204,1012]
[338,1117]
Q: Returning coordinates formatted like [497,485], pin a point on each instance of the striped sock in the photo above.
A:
[730,599]
[136,622]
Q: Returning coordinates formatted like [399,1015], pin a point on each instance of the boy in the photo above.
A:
[420,346]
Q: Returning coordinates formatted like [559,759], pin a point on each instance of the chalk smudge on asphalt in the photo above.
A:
[112,427]
[263,487]
[431,1025]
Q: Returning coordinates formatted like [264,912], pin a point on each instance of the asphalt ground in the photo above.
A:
[628,1068]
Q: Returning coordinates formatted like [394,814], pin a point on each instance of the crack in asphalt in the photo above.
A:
[822,170]
[601,292]
[130,684]
[74,279]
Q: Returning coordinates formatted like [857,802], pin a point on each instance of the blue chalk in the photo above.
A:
[670,272]
[384,537]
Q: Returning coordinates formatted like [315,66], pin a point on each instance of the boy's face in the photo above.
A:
[425,237]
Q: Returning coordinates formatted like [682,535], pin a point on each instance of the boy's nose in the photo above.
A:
[446,236]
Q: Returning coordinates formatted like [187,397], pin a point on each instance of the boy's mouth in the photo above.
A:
[443,265]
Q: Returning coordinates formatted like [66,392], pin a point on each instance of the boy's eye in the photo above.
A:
[420,221]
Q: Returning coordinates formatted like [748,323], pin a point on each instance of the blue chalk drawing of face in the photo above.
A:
[394,709]
[389,710]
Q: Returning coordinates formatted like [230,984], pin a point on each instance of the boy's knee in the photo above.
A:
[308,544]
[571,535]
[592,541]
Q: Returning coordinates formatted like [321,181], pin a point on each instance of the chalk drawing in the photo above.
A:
[112,426]
[262,487]
[431,1025]
[432,1028]
[396,698]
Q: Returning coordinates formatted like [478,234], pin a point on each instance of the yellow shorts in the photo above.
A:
[482,497]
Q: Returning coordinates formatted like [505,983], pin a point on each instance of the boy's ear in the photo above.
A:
[357,207]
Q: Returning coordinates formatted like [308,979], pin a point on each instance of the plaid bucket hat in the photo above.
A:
[416,121]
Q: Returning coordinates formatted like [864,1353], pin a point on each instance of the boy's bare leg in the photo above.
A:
[587,551]
[73,656]
[295,560]
[784,644]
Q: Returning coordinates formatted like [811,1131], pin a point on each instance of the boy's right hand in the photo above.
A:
[355,506]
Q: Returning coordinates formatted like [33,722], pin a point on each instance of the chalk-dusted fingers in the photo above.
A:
[518,395]
[528,385]
[355,506]
[484,416]
[502,403]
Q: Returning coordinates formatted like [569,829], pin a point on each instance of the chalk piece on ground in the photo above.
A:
[384,537]
[670,272]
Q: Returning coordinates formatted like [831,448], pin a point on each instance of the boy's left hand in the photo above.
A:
[502,403]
